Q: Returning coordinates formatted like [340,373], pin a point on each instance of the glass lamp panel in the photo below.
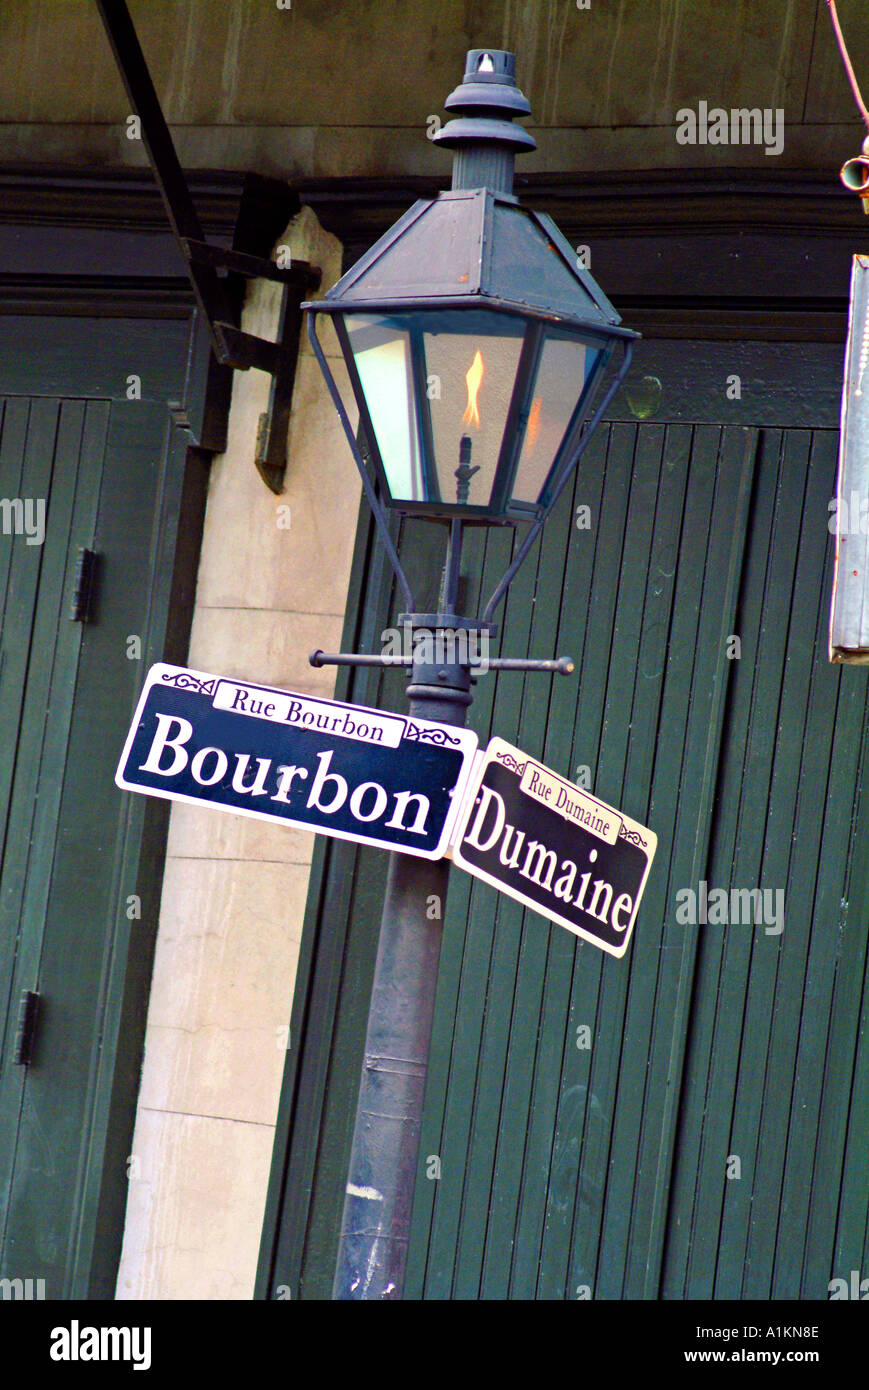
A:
[381,347]
[562,374]
[471,361]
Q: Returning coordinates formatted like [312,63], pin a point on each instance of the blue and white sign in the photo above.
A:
[360,774]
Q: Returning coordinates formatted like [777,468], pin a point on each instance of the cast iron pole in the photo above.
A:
[375,1230]
[372,1253]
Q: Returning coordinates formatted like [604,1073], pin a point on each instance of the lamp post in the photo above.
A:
[475,347]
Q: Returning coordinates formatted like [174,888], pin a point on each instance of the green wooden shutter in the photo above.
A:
[111,473]
[53,451]
[775,1073]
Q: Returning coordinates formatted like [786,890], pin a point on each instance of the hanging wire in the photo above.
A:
[840,39]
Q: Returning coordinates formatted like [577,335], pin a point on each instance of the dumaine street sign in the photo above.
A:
[552,846]
[360,774]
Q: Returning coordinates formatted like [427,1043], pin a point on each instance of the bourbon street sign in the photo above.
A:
[549,844]
[344,770]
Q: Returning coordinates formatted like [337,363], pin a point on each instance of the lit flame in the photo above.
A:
[473,377]
[533,423]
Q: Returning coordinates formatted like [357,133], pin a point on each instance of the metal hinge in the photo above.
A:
[26,1035]
[84,587]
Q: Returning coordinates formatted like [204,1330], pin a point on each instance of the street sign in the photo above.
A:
[360,774]
[552,846]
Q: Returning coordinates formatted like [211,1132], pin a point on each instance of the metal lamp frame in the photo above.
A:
[582,427]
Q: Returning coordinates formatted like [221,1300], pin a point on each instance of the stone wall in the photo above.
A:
[272,587]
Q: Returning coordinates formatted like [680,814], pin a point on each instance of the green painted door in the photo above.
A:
[79,864]
[688,1122]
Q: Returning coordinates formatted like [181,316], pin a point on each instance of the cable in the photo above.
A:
[840,38]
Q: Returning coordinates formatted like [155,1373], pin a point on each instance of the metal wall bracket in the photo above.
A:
[208,264]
